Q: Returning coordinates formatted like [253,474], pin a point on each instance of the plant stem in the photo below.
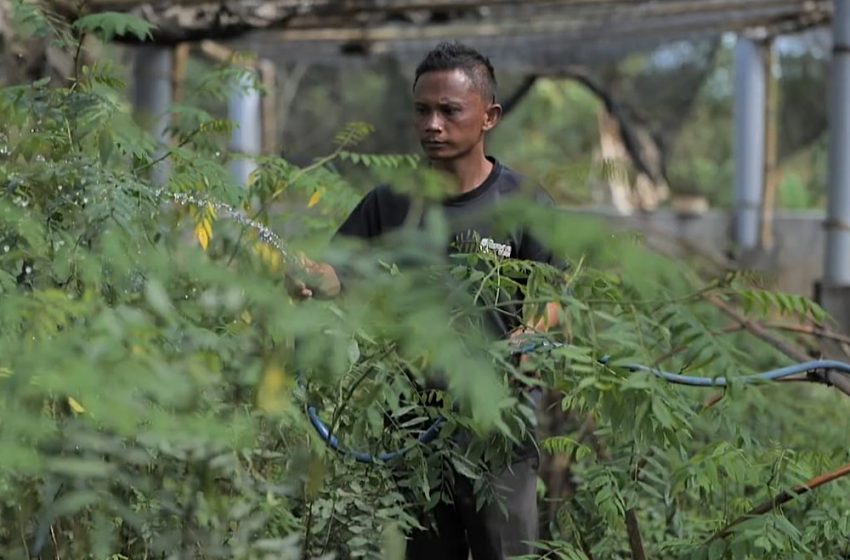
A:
[782,498]
[635,540]
[812,330]
[168,153]
[24,540]
[341,407]
[330,526]
[839,381]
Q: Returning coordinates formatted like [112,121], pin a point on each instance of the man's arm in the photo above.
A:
[322,279]
[533,250]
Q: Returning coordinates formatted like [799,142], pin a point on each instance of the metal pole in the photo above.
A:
[771,149]
[837,264]
[243,109]
[750,93]
[152,99]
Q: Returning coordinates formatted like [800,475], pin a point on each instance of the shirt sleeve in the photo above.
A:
[364,221]
[531,248]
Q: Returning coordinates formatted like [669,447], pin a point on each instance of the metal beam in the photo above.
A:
[750,96]
[837,264]
[244,109]
[152,100]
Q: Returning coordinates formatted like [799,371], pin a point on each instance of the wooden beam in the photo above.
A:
[655,17]
[360,20]
[331,7]
[178,71]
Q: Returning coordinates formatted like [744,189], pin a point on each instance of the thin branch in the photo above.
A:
[713,400]
[337,416]
[666,356]
[77,56]
[783,498]
[169,152]
[819,332]
[836,379]
[812,330]
[24,540]
[81,6]
[55,543]
[308,526]
[330,525]
[635,540]
[758,330]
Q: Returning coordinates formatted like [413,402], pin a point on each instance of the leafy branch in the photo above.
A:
[781,499]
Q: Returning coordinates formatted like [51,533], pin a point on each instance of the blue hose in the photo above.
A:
[678,379]
[425,438]
[771,375]
[433,430]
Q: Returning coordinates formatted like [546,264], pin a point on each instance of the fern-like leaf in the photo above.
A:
[107,25]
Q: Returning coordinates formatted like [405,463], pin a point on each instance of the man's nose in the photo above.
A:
[433,123]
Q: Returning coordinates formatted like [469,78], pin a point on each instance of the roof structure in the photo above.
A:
[534,34]
[538,37]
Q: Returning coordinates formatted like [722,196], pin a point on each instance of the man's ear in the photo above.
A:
[492,116]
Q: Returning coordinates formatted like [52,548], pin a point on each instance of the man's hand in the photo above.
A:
[544,324]
[317,279]
[517,337]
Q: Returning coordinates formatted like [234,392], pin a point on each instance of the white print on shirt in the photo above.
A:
[487,245]
[470,241]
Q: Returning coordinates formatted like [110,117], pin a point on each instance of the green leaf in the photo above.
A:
[81,468]
[353,351]
[105,145]
[158,298]
[393,543]
[108,25]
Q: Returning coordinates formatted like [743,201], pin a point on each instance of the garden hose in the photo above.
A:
[811,368]
[431,433]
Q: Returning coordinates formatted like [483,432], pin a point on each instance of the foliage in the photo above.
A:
[154,370]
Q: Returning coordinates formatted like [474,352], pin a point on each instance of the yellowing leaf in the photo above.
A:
[203,234]
[314,200]
[5,372]
[273,394]
[246,316]
[75,406]
[269,255]
[204,228]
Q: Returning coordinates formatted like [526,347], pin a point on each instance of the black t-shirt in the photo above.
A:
[383,210]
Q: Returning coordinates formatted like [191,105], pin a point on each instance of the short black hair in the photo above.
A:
[457,56]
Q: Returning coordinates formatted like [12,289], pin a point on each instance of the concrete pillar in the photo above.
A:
[837,259]
[246,142]
[750,96]
[152,100]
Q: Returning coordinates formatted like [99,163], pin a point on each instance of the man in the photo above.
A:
[455,106]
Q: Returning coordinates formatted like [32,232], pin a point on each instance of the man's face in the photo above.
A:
[451,114]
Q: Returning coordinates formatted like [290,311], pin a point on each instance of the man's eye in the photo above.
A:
[421,110]
[451,110]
